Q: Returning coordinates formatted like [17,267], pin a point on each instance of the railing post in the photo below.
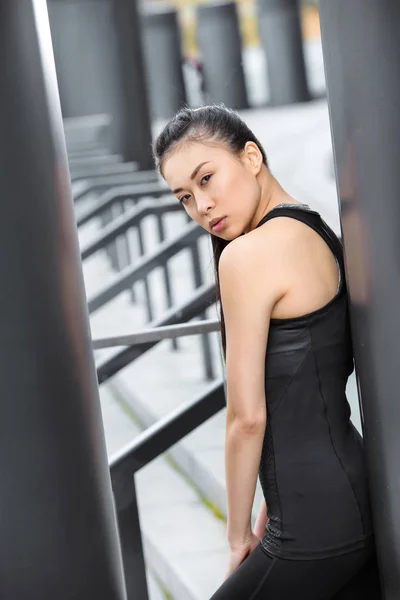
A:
[146,283]
[361,44]
[166,273]
[58,534]
[111,249]
[130,535]
[205,337]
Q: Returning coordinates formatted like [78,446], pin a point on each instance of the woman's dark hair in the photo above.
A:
[212,124]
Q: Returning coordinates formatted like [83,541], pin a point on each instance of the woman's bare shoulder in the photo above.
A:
[263,246]
[252,264]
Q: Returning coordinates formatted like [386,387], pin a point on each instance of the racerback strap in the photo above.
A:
[314,220]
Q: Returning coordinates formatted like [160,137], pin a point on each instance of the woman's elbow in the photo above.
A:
[249,426]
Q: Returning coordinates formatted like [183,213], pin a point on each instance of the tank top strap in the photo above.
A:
[312,219]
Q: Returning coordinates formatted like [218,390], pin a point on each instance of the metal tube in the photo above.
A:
[116,195]
[122,224]
[205,338]
[166,272]
[163,59]
[58,534]
[361,43]
[204,296]
[169,430]
[146,285]
[157,334]
[106,182]
[111,248]
[218,37]
[130,535]
[281,36]
[121,242]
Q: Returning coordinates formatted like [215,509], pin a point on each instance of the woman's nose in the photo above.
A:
[204,204]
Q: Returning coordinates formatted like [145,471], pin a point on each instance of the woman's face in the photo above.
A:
[218,189]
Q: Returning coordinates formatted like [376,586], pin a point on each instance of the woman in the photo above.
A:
[286,338]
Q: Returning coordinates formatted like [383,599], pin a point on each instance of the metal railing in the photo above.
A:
[116,195]
[117,224]
[146,264]
[195,306]
[154,441]
[101,183]
[156,334]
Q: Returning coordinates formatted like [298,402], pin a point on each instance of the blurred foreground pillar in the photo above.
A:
[281,37]
[100,70]
[361,43]
[58,536]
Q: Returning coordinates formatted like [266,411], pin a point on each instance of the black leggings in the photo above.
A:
[351,576]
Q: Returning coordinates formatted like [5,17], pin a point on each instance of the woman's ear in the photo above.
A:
[253,157]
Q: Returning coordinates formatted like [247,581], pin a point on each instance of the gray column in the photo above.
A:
[100,69]
[163,59]
[220,45]
[361,42]
[281,37]
[58,536]
[134,125]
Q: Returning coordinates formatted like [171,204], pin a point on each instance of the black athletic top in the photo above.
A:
[312,469]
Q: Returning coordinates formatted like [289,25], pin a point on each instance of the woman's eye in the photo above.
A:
[205,179]
[184,199]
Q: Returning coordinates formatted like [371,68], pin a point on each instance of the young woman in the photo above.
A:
[286,337]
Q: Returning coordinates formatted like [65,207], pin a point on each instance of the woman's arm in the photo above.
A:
[249,292]
[261,521]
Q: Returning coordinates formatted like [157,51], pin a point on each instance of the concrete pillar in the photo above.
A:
[100,70]
[163,59]
[281,37]
[219,41]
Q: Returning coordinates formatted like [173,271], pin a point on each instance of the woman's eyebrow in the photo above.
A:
[193,175]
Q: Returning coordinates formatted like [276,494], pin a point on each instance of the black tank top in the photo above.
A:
[312,468]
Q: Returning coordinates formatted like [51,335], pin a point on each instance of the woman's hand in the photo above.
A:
[240,552]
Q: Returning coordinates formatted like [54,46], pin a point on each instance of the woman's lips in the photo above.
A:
[219,225]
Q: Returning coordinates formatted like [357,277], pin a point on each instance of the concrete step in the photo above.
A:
[184,542]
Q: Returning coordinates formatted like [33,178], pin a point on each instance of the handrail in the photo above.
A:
[157,334]
[118,194]
[104,182]
[166,432]
[201,299]
[127,220]
[146,264]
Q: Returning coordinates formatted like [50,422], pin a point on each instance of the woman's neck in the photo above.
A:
[272,194]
